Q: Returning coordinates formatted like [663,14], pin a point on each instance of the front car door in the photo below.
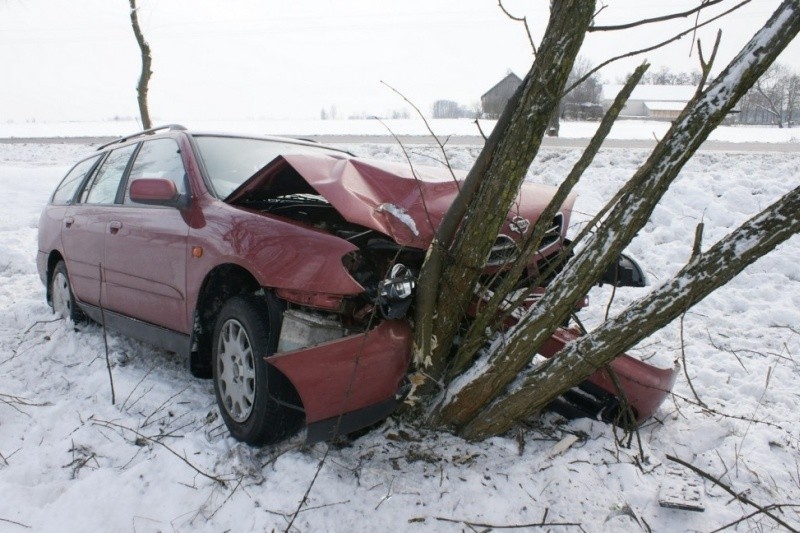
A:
[146,246]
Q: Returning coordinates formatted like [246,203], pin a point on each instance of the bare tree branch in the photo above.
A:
[501,156]
[655,46]
[108,424]
[738,495]
[705,68]
[105,335]
[628,216]
[524,21]
[542,523]
[427,126]
[690,285]
[663,18]
[476,335]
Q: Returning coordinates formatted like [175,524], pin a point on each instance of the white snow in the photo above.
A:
[623,129]
[400,214]
[661,93]
[70,461]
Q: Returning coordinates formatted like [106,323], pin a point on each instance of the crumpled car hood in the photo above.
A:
[386,197]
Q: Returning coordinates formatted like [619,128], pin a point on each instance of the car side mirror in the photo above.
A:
[624,273]
[156,191]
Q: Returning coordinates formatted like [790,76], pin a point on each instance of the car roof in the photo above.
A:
[178,127]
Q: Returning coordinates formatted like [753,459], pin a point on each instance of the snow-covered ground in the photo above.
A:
[161,460]
[623,129]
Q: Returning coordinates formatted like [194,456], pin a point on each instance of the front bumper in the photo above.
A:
[358,374]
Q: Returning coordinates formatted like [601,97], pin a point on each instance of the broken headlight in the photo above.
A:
[394,292]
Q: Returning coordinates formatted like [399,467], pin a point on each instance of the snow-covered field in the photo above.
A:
[623,129]
[161,460]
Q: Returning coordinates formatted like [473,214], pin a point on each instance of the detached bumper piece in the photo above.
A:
[351,382]
[639,386]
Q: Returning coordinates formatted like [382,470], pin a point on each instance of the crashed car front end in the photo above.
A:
[345,345]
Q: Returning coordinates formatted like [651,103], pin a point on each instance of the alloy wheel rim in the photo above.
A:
[61,299]
[236,372]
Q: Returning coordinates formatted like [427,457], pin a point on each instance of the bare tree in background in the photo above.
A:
[482,393]
[582,102]
[775,98]
[147,60]
[665,76]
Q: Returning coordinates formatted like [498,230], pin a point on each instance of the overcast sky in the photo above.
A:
[222,59]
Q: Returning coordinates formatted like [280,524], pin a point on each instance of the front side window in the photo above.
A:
[65,192]
[105,185]
[160,158]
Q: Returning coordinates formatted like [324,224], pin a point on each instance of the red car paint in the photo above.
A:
[152,265]
[339,376]
[358,188]
[645,386]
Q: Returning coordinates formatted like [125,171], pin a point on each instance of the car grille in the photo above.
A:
[505,250]
[553,233]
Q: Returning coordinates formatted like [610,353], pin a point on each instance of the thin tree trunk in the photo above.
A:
[487,318]
[144,78]
[447,287]
[627,217]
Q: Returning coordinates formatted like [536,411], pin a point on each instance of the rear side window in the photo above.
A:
[160,158]
[105,185]
[65,192]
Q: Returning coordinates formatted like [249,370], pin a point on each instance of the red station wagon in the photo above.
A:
[283,269]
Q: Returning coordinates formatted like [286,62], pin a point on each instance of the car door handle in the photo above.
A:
[114,226]
[68,222]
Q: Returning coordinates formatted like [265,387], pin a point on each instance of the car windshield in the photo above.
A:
[230,161]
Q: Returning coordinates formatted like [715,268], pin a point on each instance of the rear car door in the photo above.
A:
[86,223]
[146,246]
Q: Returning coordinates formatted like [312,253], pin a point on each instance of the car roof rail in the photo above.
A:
[169,127]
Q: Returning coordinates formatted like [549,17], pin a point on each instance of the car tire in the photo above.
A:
[246,330]
[61,298]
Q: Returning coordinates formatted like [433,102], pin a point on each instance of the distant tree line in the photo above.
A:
[452,109]
[331,113]
[582,102]
[665,76]
[773,100]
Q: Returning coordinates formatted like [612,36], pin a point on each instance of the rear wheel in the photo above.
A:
[246,331]
[61,298]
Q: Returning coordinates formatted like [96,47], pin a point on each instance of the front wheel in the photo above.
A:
[61,298]
[247,330]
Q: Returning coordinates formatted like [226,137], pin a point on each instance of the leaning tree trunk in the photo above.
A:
[446,286]
[705,273]
[144,78]
[499,368]
[487,320]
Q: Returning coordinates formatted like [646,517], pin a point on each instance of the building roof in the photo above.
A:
[665,106]
[509,75]
[653,93]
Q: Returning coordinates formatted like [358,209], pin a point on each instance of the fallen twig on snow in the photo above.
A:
[20,524]
[511,526]
[106,423]
[741,497]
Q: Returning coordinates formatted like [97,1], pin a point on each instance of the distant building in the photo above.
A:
[496,98]
[656,102]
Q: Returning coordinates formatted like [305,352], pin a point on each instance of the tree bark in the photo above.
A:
[144,78]
[470,394]
[446,287]
[704,273]
[487,317]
